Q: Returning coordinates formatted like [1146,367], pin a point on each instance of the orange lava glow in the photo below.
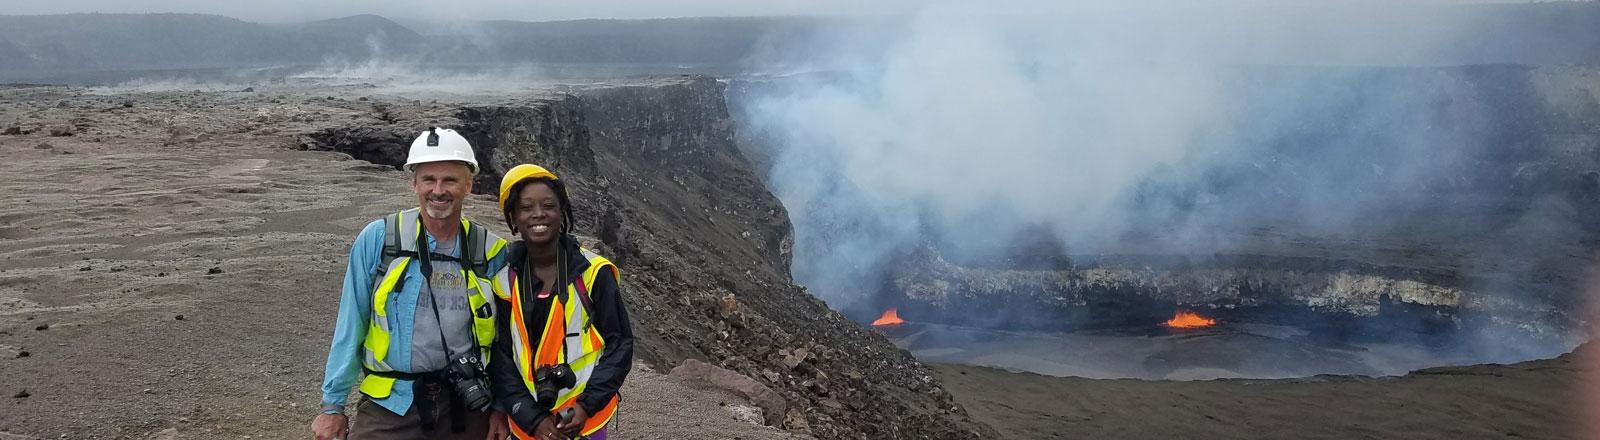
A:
[889,318]
[1188,319]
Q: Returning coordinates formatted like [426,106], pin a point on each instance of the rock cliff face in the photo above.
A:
[1287,290]
[660,188]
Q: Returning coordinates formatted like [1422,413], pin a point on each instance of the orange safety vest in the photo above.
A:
[567,326]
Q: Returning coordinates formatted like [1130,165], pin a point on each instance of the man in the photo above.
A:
[420,324]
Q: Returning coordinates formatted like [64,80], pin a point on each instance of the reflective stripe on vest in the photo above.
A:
[399,249]
[568,320]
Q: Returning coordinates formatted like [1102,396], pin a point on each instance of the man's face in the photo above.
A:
[441,188]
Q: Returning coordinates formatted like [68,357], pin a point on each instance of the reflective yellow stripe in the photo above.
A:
[495,248]
[376,344]
[380,297]
[497,285]
[482,326]
[578,322]
[377,386]
[586,360]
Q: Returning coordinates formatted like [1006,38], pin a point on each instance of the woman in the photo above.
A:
[565,344]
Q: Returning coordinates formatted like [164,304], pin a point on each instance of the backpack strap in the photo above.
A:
[584,283]
[400,231]
[475,248]
[396,244]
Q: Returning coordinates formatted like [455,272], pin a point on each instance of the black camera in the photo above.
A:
[549,380]
[466,374]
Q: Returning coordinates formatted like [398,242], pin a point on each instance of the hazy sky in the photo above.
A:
[292,10]
[536,10]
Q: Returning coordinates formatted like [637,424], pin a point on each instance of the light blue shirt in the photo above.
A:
[355,311]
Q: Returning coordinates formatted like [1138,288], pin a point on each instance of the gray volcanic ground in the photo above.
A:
[172,266]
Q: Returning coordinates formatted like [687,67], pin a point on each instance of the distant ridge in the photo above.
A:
[187,41]
[36,48]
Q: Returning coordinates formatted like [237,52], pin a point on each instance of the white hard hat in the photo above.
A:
[439,145]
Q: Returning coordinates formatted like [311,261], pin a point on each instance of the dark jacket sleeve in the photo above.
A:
[510,395]
[611,318]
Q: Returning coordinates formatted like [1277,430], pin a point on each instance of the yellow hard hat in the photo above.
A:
[516,175]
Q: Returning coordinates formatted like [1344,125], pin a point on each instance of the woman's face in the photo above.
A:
[538,214]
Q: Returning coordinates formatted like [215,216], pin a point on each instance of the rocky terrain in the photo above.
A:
[1544,399]
[166,251]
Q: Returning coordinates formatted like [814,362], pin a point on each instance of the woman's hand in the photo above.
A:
[547,430]
[573,425]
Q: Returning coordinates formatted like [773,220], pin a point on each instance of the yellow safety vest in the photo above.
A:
[399,249]
[568,321]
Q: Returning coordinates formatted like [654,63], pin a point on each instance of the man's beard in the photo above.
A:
[438,214]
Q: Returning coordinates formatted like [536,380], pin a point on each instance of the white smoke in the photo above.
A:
[1185,126]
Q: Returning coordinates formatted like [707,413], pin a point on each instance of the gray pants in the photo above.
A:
[374,422]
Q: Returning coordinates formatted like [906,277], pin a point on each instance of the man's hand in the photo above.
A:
[573,425]
[329,426]
[499,426]
[547,430]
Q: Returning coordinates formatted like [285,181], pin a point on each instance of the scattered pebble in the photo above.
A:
[21,394]
[41,327]
[214,270]
[179,317]
[23,354]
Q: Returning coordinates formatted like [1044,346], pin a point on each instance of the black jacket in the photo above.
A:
[609,316]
